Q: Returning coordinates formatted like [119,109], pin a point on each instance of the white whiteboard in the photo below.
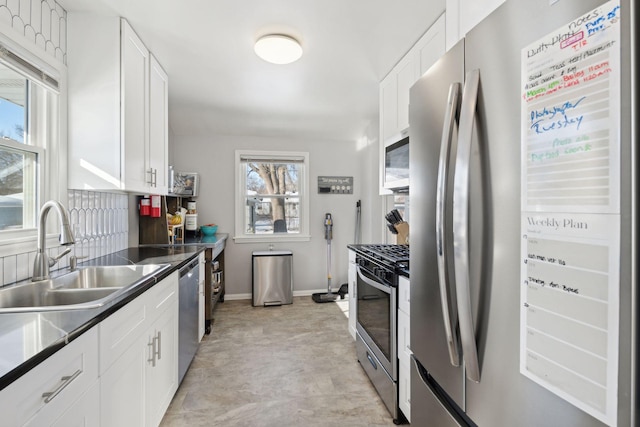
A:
[570,211]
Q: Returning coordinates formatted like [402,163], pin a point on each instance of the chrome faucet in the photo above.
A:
[42,264]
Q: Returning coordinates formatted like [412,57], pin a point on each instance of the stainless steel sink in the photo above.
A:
[86,287]
[117,276]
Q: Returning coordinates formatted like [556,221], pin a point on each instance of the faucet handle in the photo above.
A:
[54,260]
[73,261]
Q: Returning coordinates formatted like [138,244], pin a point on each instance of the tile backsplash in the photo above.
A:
[99,222]
[41,22]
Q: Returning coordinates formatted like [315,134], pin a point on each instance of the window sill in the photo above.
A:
[272,238]
[24,241]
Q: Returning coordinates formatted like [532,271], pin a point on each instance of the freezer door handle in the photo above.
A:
[461,224]
[449,312]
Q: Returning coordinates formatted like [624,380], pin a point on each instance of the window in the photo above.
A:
[18,161]
[28,122]
[272,196]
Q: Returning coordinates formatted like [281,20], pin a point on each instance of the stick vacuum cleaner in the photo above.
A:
[328,235]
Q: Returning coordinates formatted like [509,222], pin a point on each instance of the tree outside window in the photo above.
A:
[272,197]
[272,188]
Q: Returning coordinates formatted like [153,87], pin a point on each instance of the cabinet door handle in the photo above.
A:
[159,350]
[152,352]
[66,380]
[153,177]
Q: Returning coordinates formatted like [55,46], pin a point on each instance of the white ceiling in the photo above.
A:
[217,85]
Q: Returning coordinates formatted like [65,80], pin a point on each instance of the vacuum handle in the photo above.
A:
[328,227]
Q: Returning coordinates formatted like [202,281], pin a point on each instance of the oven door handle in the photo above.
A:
[368,281]
[449,309]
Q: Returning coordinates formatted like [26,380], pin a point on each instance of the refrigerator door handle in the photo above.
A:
[448,310]
[461,224]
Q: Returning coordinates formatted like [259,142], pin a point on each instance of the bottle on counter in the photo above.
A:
[191,219]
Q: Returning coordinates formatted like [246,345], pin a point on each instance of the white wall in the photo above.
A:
[213,158]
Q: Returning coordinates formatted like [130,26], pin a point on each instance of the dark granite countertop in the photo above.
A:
[208,241]
[215,242]
[27,339]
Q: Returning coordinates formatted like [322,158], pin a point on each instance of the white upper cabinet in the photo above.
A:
[158,148]
[388,106]
[394,97]
[463,15]
[134,86]
[406,76]
[118,137]
[394,89]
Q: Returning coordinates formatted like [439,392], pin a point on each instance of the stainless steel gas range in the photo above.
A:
[378,267]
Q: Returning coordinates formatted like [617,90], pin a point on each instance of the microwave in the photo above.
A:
[396,162]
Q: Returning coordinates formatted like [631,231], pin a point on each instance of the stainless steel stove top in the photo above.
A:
[397,255]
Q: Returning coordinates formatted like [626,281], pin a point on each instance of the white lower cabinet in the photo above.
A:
[137,389]
[122,372]
[85,412]
[352,279]
[161,369]
[138,386]
[45,393]
[404,390]
[122,399]
[201,306]
[404,349]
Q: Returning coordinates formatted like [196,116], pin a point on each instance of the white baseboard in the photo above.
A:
[302,293]
[231,297]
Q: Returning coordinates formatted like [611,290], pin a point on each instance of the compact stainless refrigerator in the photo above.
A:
[524,289]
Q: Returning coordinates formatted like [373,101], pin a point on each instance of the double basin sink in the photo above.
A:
[84,288]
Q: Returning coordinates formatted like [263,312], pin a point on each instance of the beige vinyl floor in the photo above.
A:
[293,365]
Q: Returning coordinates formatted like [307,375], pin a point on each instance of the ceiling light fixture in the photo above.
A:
[278,49]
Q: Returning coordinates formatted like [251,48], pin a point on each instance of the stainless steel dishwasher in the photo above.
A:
[188,316]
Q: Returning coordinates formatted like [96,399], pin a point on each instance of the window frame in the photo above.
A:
[241,190]
[47,117]
[28,204]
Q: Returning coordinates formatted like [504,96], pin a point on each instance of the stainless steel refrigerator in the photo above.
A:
[523,183]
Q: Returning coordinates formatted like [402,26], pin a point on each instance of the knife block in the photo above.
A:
[402,238]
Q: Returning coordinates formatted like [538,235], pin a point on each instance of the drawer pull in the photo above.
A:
[66,380]
[373,362]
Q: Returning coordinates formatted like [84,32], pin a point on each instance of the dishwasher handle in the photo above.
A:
[189,267]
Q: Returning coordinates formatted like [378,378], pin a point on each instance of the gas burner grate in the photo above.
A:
[393,253]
